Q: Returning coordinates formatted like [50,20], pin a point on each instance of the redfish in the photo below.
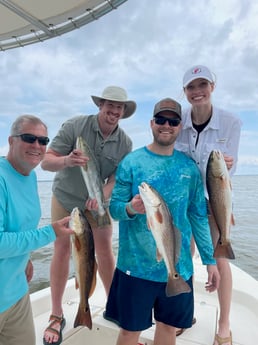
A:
[83,253]
[166,235]
[91,177]
[220,198]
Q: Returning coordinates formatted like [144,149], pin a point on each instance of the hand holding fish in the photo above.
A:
[229,160]
[220,200]
[213,278]
[92,205]
[136,205]
[93,183]
[75,158]
[61,227]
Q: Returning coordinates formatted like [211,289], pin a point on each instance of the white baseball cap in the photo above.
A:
[196,72]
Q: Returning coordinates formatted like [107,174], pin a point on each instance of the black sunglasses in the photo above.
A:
[160,120]
[31,138]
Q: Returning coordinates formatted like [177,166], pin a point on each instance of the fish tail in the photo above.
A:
[176,285]
[224,250]
[103,220]
[83,318]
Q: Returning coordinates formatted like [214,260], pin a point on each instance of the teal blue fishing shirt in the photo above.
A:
[19,217]
[178,180]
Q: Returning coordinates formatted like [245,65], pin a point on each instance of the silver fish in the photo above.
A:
[220,198]
[166,236]
[85,265]
[91,177]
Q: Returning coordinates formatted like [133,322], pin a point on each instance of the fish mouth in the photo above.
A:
[216,153]
[144,187]
[150,197]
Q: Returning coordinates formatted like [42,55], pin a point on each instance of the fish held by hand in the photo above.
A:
[220,200]
[167,237]
[83,253]
[92,179]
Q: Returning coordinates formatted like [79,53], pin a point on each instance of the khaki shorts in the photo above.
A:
[16,324]
[59,212]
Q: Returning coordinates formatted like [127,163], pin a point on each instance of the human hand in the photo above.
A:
[75,158]
[29,271]
[61,227]
[213,278]
[229,161]
[137,205]
[91,205]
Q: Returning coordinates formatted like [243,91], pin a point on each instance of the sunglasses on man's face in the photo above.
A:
[31,138]
[161,120]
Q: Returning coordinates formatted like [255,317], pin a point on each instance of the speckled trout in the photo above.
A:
[85,265]
[220,197]
[167,237]
[91,177]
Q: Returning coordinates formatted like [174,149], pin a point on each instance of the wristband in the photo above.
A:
[130,208]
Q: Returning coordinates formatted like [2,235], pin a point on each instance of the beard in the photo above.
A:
[162,140]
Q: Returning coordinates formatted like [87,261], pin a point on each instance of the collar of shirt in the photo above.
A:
[187,120]
[112,137]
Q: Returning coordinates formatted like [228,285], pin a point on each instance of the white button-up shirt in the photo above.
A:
[221,133]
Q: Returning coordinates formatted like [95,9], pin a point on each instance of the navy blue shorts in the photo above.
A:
[132,302]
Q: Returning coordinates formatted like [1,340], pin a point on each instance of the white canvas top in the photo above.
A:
[24,22]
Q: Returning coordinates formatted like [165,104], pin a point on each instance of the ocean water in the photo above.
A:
[244,234]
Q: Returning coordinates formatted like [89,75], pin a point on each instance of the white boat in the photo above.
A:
[244,314]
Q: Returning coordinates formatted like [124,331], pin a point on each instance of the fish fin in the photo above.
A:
[223,250]
[224,180]
[158,256]
[230,185]
[178,242]
[94,280]
[150,223]
[76,284]
[77,243]
[176,285]
[83,317]
[103,220]
[232,219]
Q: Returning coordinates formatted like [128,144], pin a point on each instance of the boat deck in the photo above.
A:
[244,315]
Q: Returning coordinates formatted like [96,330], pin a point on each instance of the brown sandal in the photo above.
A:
[222,341]
[53,319]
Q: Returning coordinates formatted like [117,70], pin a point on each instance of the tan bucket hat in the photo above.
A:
[117,94]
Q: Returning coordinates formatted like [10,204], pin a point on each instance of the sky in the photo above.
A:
[144,46]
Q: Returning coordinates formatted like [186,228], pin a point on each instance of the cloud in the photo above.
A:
[144,46]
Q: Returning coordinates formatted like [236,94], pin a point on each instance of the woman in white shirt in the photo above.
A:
[206,128]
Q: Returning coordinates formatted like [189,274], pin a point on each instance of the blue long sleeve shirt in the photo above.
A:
[19,216]
[179,182]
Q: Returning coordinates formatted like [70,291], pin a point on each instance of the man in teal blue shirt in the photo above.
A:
[19,216]
[139,281]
